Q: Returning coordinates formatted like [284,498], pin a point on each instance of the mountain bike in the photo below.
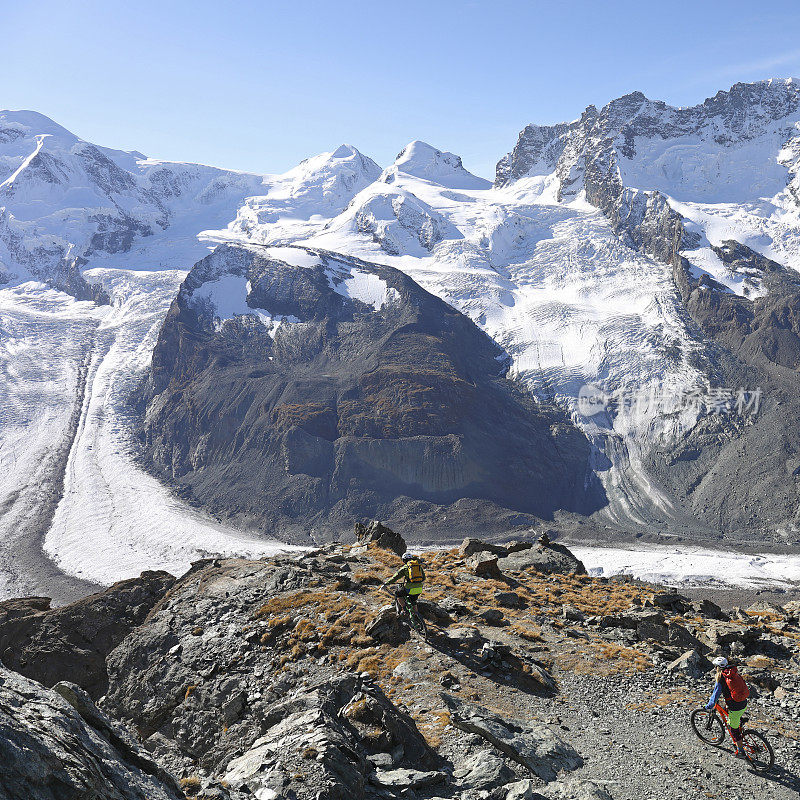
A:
[710,726]
[409,613]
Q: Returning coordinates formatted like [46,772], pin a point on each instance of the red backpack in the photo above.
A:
[736,685]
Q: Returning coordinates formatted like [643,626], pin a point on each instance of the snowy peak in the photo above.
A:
[345,151]
[318,188]
[421,160]
[342,155]
[66,204]
[652,143]
[329,177]
[16,125]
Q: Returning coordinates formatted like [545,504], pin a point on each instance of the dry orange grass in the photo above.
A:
[542,593]
[289,602]
[530,633]
[601,659]
[432,725]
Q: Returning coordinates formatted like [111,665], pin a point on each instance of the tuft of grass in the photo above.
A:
[190,786]
[531,633]
[290,602]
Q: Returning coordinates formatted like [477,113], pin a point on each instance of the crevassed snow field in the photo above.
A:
[691,566]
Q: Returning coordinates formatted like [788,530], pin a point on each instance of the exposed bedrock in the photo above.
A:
[71,643]
[347,392]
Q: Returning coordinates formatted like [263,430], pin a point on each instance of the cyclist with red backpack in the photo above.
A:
[730,685]
[413,576]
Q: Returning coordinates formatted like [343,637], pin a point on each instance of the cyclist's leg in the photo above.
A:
[735,724]
[399,599]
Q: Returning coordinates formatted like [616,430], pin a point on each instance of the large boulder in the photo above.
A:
[483,769]
[470,546]
[692,663]
[531,744]
[633,618]
[672,601]
[669,634]
[71,643]
[385,626]
[378,534]
[708,609]
[719,634]
[50,751]
[547,558]
[484,564]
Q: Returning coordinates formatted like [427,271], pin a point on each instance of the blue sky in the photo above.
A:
[261,85]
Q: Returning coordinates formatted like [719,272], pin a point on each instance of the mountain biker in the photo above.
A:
[412,574]
[730,684]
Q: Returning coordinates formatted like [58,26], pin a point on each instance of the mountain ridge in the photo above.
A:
[588,271]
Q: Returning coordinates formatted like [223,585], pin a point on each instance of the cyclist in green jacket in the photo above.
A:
[412,574]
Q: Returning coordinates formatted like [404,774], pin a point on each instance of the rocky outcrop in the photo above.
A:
[51,750]
[569,789]
[320,733]
[369,398]
[379,535]
[200,683]
[533,746]
[71,643]
[548,558]
[260,678]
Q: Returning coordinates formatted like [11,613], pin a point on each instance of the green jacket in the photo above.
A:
[404,574]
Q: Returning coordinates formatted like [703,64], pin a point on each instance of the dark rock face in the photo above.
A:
[50,751]
[388,409]
[71,643]
[383,537]
[737,472]
[591,143]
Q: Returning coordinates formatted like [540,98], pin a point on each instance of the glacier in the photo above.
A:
[540,259]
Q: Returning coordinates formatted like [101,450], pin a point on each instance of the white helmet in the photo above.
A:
[720,661]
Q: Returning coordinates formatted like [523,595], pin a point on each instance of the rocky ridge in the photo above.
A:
[614,157]
[290,678]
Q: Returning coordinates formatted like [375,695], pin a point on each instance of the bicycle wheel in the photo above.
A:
[708,726]
[417,622]
[758,751]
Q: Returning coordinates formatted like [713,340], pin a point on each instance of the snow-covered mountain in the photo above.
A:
[549,280]
[66,204]
[649,252]
[600,257]
[729,166]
